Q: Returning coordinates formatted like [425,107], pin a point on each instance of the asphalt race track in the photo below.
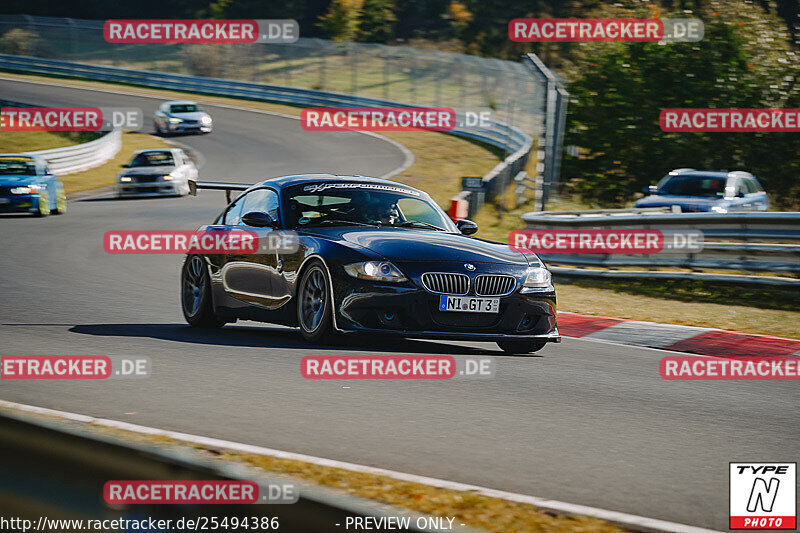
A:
[585,422]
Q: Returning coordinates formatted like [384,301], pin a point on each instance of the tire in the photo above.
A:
[520,346]
[196,303]
[157,127]
[44,204]
[61,203]
[314,308]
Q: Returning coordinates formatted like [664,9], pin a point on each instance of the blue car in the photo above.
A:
[28,186]
[701,190]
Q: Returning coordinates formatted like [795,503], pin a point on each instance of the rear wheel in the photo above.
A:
[520,346]
[196,294]
[314,308]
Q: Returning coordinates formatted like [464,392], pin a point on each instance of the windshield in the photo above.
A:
[694,186]
[17,167]
[183,108]
[152,159]
[347,203]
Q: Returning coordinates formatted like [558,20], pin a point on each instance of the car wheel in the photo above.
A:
[520,346]
[196,294]
[157,127]
[61,203]
[44,204]
[314,309]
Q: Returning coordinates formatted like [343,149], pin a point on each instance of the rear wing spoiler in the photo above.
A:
[227,187]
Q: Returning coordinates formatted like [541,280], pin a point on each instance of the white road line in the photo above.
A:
[639,523]
[407,154]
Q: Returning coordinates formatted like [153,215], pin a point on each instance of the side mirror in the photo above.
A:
[466,227]
[740,194]
[258,219]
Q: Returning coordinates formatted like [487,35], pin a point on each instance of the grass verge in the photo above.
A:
[470,508]
[32,141]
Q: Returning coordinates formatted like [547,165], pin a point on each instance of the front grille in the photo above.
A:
[494,285]
[446,283]
[145,179]
[191,122]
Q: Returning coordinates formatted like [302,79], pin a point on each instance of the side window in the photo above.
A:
[741,187]
[265,200]
[234,215]
[751,186]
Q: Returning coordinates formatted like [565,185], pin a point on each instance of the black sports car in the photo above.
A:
[373,256]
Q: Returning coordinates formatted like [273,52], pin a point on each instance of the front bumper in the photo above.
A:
[19,203]
[156,188]
[189,128]
[413,312]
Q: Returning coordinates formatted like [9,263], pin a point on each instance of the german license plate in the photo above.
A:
[466,304]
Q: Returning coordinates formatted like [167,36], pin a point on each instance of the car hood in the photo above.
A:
[405,245]
[694,202]
[193,115]
[16,180]
[148,171]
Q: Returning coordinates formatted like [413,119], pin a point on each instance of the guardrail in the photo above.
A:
[78,157]
[58,470]
[767,244]
[84,156]
[497,133]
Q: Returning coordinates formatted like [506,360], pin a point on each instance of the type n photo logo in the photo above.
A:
[763,496]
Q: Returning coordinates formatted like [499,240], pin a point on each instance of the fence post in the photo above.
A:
[554,124]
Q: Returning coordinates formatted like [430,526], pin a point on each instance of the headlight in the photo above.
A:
[167,178]
[175,120]
[206,120]
[26,190]
[375,270]
[125,179]
[538,277]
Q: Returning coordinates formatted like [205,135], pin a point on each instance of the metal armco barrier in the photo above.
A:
[767,244]
[83,156]
[78,157]
[57,470]
[498,134]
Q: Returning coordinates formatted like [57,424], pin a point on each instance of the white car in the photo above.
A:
[181,116]
[157,172]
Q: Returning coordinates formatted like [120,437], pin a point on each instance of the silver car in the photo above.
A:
[157,172]
[181,116]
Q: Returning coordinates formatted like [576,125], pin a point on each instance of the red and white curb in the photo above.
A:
[634,522]
[689,339]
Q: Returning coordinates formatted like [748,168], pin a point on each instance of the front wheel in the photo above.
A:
[314,308]
[196,294]
[44,204]
[61,203]
[520,346]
